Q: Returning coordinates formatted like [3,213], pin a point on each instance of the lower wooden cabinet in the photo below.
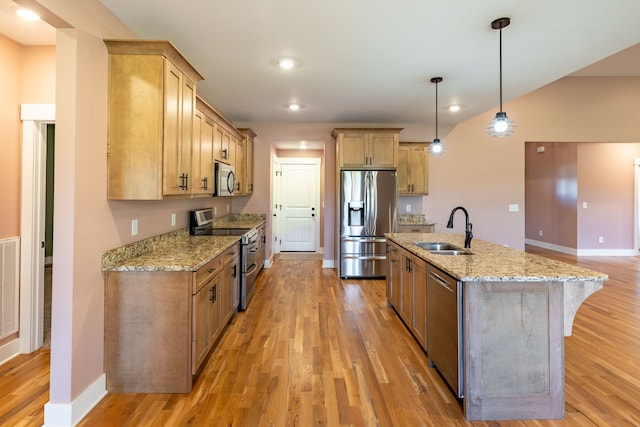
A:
[160,326]
[407,290]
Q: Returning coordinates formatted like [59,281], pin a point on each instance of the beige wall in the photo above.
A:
[10,55]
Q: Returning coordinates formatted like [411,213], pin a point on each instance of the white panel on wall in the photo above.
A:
[9,292]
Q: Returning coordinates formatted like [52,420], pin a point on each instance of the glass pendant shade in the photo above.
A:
[501,125]
[436,148]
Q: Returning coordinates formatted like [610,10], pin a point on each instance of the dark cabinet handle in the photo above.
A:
[214,295]
[184,181]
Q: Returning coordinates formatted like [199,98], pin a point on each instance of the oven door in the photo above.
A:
[249,272]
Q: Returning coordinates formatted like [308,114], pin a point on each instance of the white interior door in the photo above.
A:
[299,212]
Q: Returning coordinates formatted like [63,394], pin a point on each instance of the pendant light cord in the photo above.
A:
[500,69]
[436,110]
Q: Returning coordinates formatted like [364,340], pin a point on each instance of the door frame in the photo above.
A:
[35,118]
[636,204]
[317,161]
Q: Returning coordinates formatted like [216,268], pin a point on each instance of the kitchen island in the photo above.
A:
[492,322]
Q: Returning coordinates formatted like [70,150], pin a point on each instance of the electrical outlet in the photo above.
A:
[173,220]
[134,227]
[228,208]
[600,239]
[408,208]
[514,207]
[584,205]
[540,233]
[215,210]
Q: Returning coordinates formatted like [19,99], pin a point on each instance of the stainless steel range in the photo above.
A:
[201,224]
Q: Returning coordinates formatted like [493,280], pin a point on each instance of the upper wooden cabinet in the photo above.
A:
[247,144]
[367,147]
[152,91]
[413,168]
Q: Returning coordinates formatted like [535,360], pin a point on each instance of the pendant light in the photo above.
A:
[501,125]
[436,148]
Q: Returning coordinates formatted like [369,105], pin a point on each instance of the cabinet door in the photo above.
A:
[200,335]
[231,289]
[218,136]
[353,150]
[196,155]
[419,273]
[419,170]
[404,184]
[394,275]
[241,182]
[249,165]
[172,132]
[406,289]
[382,150]
[187,112]
[206,183]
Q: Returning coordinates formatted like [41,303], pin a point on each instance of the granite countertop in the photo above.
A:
[239,221]
[178,251]
[414,219]
[493,262]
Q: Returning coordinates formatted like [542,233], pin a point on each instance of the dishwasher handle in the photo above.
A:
[442,282]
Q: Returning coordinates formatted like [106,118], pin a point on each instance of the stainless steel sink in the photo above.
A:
[452,252]
[437,246]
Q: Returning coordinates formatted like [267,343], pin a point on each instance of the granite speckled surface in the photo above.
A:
[178,251]
[493,262]
[240,221]
[414,219]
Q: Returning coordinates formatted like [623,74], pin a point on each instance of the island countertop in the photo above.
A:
[491,262]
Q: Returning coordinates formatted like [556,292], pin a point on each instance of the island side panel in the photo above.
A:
[513,350]
[148,332]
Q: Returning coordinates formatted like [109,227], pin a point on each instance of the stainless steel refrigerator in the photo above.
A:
[368,200]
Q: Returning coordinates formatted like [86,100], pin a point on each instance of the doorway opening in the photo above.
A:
[38,135]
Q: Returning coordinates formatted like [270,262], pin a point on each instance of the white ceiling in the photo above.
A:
[370,61]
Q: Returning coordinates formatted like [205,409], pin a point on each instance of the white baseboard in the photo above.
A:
[328,263]
[582,252]
[268,262]
[607,252]
[9,350]
[70,414]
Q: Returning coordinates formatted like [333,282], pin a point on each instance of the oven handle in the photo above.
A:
[251,268]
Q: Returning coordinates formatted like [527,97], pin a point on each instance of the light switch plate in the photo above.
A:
[134,227]
[173,220]
[514,207]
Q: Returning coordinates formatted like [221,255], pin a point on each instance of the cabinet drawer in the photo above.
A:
[229,254]
[204,274]
[416,228]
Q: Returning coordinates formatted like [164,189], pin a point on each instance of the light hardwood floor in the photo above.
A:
[315,350]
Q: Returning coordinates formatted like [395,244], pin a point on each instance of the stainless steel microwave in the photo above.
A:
[225,179]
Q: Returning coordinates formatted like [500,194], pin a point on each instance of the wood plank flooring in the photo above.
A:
[315,350]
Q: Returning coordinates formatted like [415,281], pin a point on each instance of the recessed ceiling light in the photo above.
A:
[286,63]
[454,107]
[294,107]
[27,15]
[303,145]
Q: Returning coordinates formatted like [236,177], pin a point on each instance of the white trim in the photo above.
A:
[551,246]
[70,414]
[9,350]
[607,252]
[328,263]
[636,203]
[582,252]
[34,120]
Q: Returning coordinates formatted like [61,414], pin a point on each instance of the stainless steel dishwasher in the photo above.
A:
[444,327]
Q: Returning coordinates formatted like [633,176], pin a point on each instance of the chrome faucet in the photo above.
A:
[468,235]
